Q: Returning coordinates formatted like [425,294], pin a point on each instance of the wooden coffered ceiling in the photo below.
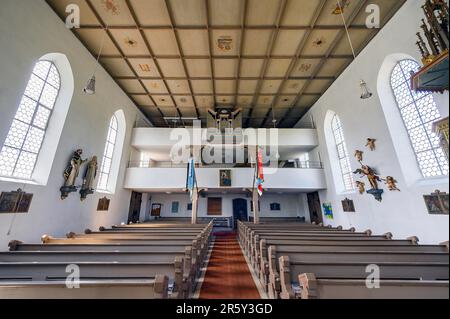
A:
[177,58]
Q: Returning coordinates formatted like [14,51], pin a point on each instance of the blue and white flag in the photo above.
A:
[190,183]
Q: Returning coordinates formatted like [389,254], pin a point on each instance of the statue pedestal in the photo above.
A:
[85,192]
[66,190]
[377,193]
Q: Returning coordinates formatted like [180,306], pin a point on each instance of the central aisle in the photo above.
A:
[228,276]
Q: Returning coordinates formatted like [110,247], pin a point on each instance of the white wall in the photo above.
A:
[291,205]
[403,213]
[29,29]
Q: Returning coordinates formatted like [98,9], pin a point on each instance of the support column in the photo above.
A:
[255,206]
[194,206]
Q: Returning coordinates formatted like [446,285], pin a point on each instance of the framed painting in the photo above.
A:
[103,204]
[225,178]
[437,203]
[15,202]
[328,211]
[348,206]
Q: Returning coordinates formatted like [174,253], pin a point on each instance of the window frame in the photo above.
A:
[405,79]
[31,125]
[105,153]
[338,130]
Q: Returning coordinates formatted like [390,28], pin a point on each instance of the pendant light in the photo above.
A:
[365,92]
[90,86]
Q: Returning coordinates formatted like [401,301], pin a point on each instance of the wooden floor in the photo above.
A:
[228,275]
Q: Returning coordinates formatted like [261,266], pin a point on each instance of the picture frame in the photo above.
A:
[348,206]
[15,202]
[437,203]
[103,204]
[328,211]
[225,178]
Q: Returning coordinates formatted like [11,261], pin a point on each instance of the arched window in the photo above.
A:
[25,138]
[419,111]
[108,154]
[342,154]
[112,155]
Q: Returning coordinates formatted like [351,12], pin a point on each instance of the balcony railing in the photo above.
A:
[296,164]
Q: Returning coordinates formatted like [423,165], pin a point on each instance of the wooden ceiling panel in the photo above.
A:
[185,101]
[169,111]
[263,12]
[189,13]
[151,12]
[226,42]
[195,54]
[144,67]
[188,112]
[117,67]
[172,67]
[225,86]
[270,86]
[113,13]
[299,12]
[178,86]
[142,100]
[256,42]
[329,17]
[93,39]
[131,86]
[305,67]
[155,86]
[194,42]
[198,67]
[278,67]
[130,42]
[358,37]
[293,86]
[288,42]
[225,68]
[232,10]
[247,86]
[162,42]
[320,42]
[202,87]
[251,67]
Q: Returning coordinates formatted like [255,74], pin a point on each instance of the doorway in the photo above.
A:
[240,211]
[135,207]
[156,211]
[315,208]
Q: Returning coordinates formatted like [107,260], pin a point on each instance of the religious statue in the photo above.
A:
[89,178]
[361,187]
[71,173]
[391,183]
[371,144]
[359,155]
[373,178]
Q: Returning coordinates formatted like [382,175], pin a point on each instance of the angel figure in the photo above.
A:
[371,144]
[361,187]
[359,155]
[391,183]
[371,175]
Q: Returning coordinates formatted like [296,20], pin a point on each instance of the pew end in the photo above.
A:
[14,244]
[413,239]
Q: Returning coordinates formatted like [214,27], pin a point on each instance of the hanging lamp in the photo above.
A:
[90,86]
[365,92]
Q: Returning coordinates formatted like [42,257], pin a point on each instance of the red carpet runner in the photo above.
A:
[228,276]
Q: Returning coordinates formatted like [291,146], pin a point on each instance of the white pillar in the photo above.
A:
[194,206]
[255,206]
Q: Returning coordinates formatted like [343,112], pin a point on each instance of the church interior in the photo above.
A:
[224,149]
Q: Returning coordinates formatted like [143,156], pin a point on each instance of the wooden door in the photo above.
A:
[315,208]
[135,207]
[214,206]
[156,210]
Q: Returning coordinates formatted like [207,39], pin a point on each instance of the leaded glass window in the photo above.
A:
[344,159]
[23,143]
[108,155]
[419,111]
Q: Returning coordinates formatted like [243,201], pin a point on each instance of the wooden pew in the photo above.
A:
[97,271]
[287,248]
[342,269]
[106,289]
[313,288]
